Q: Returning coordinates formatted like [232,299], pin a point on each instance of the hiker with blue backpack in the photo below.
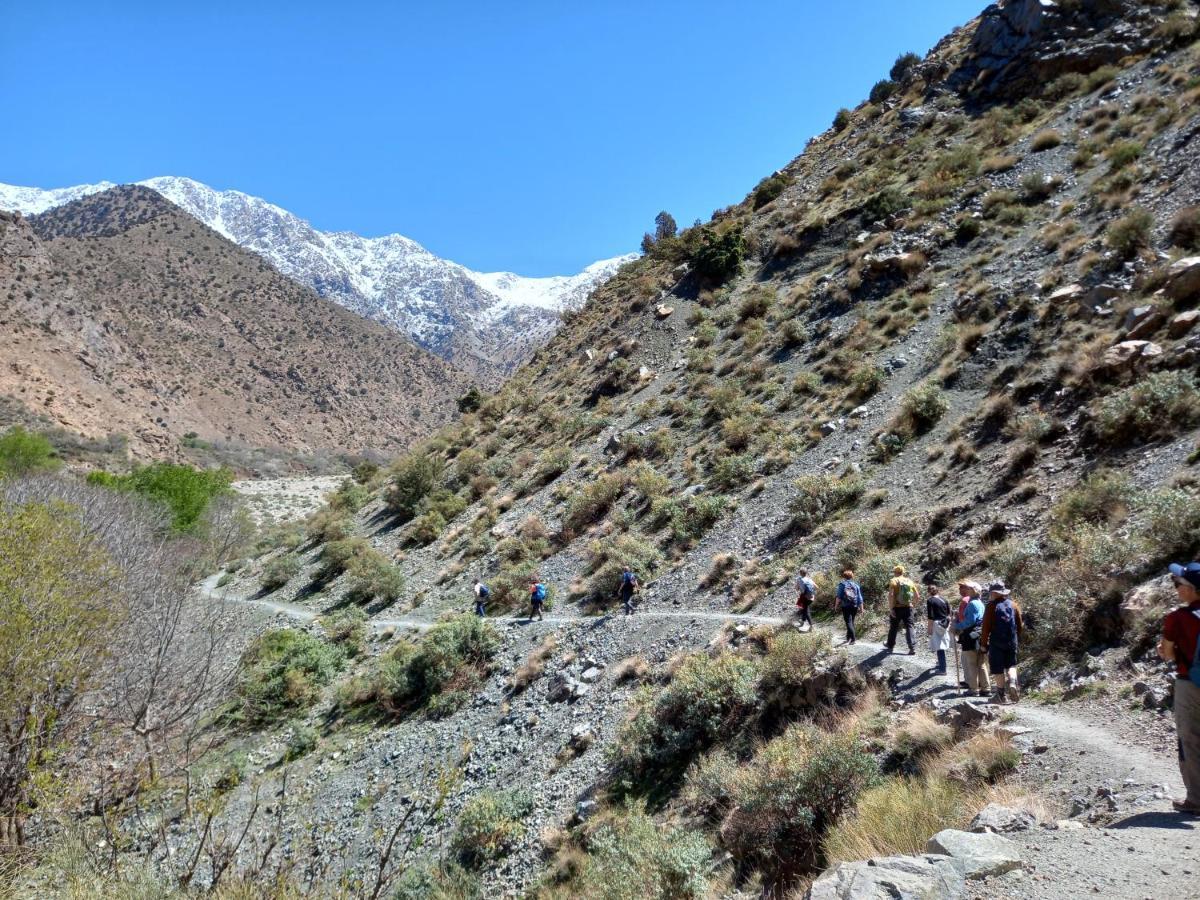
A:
[482,592]
[849,600]
[806,593]
[999,638]
[629,586]
[902,594]
[537,599]
[1180,645]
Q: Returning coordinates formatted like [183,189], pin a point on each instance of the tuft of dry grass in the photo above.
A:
[531,670]
[919,734]
[985,757]
[631,668]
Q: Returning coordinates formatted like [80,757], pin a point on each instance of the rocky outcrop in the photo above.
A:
[1020,45]
[979,855]
[929,877]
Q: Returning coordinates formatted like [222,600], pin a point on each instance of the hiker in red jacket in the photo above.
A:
[1180,645]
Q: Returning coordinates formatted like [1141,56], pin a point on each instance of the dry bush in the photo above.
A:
[918,735]
[722,565]
[1045,140]
[986,756]
[535,663]
[632,668]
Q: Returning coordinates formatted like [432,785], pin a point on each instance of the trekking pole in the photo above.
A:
[957,675]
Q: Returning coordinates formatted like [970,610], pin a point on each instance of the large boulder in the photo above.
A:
[1183,279]
[1002,819]
[1129,355]
[892,877]
[980,854]
[1143,321]
[1183,323]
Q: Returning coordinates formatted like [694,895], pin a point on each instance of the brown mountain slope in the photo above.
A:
[122,314]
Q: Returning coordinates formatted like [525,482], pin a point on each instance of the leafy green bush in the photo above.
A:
[592,501]
[923,407]
[790,794]
[1155,407]
[690,517]
[429,879]
[729,472]
[1169,523]
[791,658]
[609,554]
[350,497]
[427,528]
[453,655]
[184,491]
[720,252]
[886,203]
[629,857]
[415,477]
[23,453]
[967,229]
[1123,153]
[283,671]
[707,699]
[820,497]
[337,555]
[882,90]
[903,66]
[279,571]
[1103,496]
[302,740]
[867,380]
[768,189]
[1130,233]
[347,629]
[553,462]
[841,119]
[372,577]
[490,826]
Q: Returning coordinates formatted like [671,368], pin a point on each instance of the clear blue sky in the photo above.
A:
[529,136]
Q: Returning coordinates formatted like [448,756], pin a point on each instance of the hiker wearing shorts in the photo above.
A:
[1180,645]
[967,625]
[537,599]
[629,587]
[999,637]
[937,611]
[902,594]
[849,600]
[806,592]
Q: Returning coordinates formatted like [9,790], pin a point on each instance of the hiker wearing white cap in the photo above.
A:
[1180,645]
[999,638]
[967,625]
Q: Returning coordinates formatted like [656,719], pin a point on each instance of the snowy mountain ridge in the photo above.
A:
[484,321]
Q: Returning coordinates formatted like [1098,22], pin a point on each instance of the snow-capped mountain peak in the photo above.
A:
[485,321]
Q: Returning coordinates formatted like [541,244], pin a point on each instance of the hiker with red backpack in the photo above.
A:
[806,593]
[902,594]
[849,600]
[999,638]
[537,599]
[1180,645]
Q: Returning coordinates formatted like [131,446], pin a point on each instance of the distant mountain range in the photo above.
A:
[485,323]
[124,315]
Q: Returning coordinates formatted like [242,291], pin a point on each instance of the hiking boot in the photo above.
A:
[912,652]
[963,684]
[1183,806]
[984,693]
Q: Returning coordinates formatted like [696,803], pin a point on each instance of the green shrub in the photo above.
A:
[607,556]
[283,671]
[903,66]
[589,503]
[768,189]
[756,304]
[841,119]
[720,252]
[302,740]
[1169,522]
[428,879]
[1101,77]
[887,202]
[791,658]
[427,528]
[490,826]
[867,380]
[707,699]
[691,517]
[629,857]
[184,491]
[350,497]
[923,407]
[731,471]
[1122,154]
[1155,407]
[453,655]
[820,497]
[1104,496]
[1130,233]
[336,555]
[882,90]
[967,229]
[794,790]
[347,629]
[279,571]
[372,577]
[328,524]
[24,453]
[415,477]
[552,463]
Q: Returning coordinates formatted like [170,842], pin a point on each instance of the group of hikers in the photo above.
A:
[986,626]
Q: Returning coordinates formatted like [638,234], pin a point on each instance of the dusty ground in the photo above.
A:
[273,500]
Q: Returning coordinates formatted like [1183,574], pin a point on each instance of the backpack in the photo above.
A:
[807,588]
[628,578]
[1194,668]
[906,592]
[539,592]
[484,592]
[1004,625]
[850,595]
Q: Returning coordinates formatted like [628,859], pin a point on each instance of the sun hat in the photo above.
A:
[1189,572]
[997,587]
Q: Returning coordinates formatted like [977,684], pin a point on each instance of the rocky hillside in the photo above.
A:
[124,315]
[485,323]
[955,333]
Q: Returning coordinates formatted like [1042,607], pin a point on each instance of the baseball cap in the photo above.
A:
[1189,572]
